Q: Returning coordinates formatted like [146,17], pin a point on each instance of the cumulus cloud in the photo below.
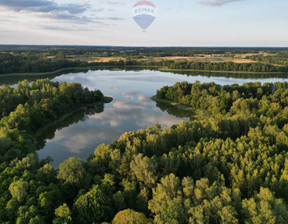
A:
[218,2]
[50,9]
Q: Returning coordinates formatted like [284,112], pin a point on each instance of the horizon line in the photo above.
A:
[138,46]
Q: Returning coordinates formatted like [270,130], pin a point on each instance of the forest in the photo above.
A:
[32,63]
[228,165]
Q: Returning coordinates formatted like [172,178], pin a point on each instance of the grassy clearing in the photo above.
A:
[205,58]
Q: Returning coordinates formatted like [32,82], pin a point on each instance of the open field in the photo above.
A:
[204,58]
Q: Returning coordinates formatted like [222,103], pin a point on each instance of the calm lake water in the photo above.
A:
[132,109]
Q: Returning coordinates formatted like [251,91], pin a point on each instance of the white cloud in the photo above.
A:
[112,2]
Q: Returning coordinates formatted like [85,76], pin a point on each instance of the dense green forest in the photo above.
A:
[228,166]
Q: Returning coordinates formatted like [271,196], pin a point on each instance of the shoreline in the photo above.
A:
[107,99]
[163,69]
[156,68]
[196,113]
[62,70]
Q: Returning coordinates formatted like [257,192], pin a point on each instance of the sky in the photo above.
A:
[199,23]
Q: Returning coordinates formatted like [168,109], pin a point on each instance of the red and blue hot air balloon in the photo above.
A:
[144,13]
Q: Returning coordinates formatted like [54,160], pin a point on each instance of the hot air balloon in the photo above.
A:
[144,13]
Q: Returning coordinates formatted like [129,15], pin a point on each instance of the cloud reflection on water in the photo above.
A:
[81,138]
[124,114]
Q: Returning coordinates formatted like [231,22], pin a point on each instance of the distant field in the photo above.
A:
[95,59]
[204,58]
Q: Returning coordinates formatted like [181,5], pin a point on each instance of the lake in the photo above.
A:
[131,109]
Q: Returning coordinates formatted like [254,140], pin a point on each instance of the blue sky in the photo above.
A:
[178,23]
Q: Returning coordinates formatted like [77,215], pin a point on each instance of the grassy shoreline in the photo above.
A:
[62,70]
[165,69]
[197,114]
[174,104]
[43,73]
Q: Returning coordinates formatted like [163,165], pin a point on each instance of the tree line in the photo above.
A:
[279,58]
[228,66]
[33,63]
[201,66]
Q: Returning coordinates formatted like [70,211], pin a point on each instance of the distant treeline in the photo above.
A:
[280,58]
[134,51]
[208,66]
[228,66]
[240,75]
[33,63]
